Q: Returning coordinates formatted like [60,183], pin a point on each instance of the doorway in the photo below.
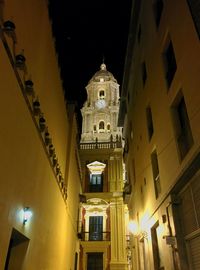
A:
[16,251]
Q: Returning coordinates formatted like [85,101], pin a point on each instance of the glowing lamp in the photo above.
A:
[27,214]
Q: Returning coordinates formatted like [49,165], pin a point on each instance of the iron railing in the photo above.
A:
[94,236]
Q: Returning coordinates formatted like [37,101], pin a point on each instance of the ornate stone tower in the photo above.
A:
[100,111]
[102,215]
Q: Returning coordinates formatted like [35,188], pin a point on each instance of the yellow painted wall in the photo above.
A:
[155,94]
[177,23]
[27,179]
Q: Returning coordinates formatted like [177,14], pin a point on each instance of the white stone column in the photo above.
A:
[118,237]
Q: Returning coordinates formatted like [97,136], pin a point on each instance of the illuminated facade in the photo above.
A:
[100,111]
[40,176]
[160,114]
[102,229]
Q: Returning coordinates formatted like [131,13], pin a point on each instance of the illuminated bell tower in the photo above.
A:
[102,216]
[100,111]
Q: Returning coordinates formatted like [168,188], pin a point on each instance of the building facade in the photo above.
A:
[102,222]
[40,175]
[160,114]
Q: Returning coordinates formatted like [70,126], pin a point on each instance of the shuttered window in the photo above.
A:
[190,206]
[196,195]
[190,220]
[95,261]
[194,250]
[188,212]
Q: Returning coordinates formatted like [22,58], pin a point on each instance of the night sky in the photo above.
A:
[86,31]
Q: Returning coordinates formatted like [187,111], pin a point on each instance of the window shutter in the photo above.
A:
[194,251]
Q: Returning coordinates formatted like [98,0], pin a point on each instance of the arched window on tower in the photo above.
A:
[101,94]
[108,127]
[101,125]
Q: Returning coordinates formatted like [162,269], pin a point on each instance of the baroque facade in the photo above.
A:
[160,114]
[102,225]
[100,112]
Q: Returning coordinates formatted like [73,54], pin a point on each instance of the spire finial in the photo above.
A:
[103,65]
[103,59]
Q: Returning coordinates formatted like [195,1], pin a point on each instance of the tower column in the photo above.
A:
[118,237]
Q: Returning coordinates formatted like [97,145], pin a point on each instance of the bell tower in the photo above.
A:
[102,227]
[100,111]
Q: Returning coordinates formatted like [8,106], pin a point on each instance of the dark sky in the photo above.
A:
[85,31]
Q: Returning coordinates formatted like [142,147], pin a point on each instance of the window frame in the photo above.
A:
[182,128]
[170,63]
[149,121]
[156,173]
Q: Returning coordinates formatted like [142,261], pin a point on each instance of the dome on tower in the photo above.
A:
[103,75]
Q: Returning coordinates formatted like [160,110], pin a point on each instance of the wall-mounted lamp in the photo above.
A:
[27,214]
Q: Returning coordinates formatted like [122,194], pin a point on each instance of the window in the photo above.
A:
[131,130]
[144,73]
[101,125]
[157,247]
[195,12]
[182,128]
[169,64]
[158,9]
[128,97]
[189,215]
[95,228]
[108,127]
[102,94]
[76,261]
[156,175]
[95,128]
[96,183]
[94,261]
[139,34]
[114,121]
[133,170]
[149,122]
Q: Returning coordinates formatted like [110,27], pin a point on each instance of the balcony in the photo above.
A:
[94,236]
[102,145]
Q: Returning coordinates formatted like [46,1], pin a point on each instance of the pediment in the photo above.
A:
[96,167]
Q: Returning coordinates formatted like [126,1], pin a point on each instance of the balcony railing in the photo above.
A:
[94,236]
[102,145]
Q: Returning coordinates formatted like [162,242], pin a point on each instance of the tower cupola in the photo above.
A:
[100,111]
